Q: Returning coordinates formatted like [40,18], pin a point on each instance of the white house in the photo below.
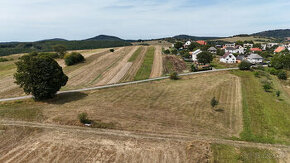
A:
[194,55]
[270,45]
[230,45]
[240,49]
[231,50]
[187,43]
[255,58]
[228,58]
[264,46]
[212,50]
[248,45]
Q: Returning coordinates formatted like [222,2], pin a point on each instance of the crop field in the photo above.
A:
[162,106]
[100,68]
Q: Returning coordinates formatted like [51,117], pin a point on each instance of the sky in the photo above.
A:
[32,20]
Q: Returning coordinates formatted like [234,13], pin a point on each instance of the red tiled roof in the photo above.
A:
[201,42]
[256,49]
[279,49]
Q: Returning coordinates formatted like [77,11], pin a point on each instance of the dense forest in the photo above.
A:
[47,46]
[280,33]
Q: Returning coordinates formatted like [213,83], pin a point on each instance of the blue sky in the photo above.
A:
[31,20]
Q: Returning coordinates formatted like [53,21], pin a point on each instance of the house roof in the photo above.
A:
[226,54]
[240,57]
[196,52]
[256,49]
[230,48]
[255,56]
[212,48]
[279,49]
[201,42]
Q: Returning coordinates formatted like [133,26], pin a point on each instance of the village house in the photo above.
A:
[212,50]
[270,45]
[240,49]
[230,45]
[255,50]
[240,58]
[264,47]
[248,45]
[187,43]
[194,55]
[279,49]
[228,58]
[255,58]
[231,50]
[201,42]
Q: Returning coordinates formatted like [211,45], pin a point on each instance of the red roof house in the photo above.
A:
[256,49]
[279,49]
[202,42]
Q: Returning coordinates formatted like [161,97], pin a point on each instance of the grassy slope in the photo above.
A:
[135,55]
[227,153]
[250,38]
[266,119]
[145,70]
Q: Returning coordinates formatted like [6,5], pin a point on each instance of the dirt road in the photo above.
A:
[157,67]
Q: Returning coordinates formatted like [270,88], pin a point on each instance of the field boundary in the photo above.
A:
[118,84]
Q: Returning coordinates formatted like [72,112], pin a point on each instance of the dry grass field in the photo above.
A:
[250,38]
[163,106]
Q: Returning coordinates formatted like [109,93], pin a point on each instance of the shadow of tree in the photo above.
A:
[66,98]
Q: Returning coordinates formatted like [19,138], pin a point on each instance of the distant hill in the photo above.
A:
[280,33]
[54,39]
[187,37]
[105,38]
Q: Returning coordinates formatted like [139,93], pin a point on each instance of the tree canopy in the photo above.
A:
[40,76]
[204,57]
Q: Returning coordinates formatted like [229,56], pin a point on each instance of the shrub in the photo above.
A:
[112,50]
[257,74]
[83,118]
[51,55]
[3,59]
[278,93]
[174,76]
[214,102]
[193,68]
[245,65]
[282,75]
[167,51]
[73,58]
[267,86]
[273,71]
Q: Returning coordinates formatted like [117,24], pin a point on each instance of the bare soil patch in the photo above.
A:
[157,68]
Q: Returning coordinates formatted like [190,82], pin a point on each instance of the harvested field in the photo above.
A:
[116,73]
[165,106]
[137,60]
[172,63]
[157,68]
[23,144]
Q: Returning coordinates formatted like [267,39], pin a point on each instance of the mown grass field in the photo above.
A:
[146,67]
[266,117]
[165,106]
[231,154]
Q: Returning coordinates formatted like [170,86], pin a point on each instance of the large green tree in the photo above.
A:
[40,76]
[204,57]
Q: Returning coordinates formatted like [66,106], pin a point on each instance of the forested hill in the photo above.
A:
[47,45]
[280,33]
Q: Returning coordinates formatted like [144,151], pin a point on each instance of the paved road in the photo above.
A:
[118,84]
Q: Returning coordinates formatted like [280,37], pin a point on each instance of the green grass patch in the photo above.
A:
[145,70]
[135,55]
[228,153]
[266,119]
[16,112]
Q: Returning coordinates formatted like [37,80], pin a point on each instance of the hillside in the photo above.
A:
[188,37]
[105,38]
[280,33]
